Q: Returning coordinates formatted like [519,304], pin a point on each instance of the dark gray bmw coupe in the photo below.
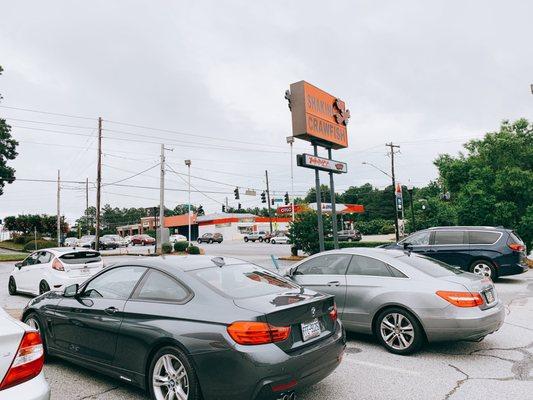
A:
[194,327]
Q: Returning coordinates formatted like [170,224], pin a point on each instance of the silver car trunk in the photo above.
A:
[10,337]
[474,284]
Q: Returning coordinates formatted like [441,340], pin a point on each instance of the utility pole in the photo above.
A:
[58,209]
[98,185]
[392,147]
[188,164]
[318,205]
[87,205]
[161,198]
[333,207]
[290,140]
[268,202]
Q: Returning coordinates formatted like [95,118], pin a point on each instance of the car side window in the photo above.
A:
[476,237]
[117,283]
[418,239]
[448,237]
[32,259]
[161,287]
[44,257]
[361,265]
[330,264]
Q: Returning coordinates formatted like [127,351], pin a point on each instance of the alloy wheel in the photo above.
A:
[397,331]
[43,287]
[170,380]
[482,269]
[32,322]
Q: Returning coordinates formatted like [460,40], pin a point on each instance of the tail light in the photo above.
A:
[57,265]
[252,333]
[461,299]
[28,362]
[516,246]
[333,313]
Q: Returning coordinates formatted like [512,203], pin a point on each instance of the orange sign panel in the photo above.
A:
[318,116]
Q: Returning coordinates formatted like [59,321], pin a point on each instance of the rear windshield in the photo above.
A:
[430,266]
[81,257]
[241,281]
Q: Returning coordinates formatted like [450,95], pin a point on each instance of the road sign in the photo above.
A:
[250,192]
[324,164]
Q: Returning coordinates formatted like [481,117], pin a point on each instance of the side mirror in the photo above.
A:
[407,246]
[18,265]
[71,291]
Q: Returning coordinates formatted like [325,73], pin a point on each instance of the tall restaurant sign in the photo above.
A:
[318,116]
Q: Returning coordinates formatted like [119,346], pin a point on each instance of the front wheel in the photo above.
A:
[260,239]
[245,240]
[43,287]
[210,241]
[483,268]
[172,376]
[272,241]
[12,286]
[399,331]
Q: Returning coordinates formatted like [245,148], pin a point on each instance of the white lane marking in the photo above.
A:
[381,366]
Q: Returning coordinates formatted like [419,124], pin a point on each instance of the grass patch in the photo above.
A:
[12,257]
[8,245]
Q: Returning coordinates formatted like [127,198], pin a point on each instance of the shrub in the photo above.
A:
[22,239]
[193,250]
[181,246]
[303,232]
[166,248]
[39,244]
[150,232]
[344,245]
[375,226]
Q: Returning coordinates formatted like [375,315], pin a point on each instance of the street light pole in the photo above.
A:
[188,164]
[290,140]
[410,190]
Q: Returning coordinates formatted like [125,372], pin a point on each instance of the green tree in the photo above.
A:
[303,232]
[8,151]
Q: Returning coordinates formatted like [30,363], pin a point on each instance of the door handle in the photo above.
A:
[111,310]
[333,283]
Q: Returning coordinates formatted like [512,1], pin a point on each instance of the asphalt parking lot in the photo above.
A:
[501,366]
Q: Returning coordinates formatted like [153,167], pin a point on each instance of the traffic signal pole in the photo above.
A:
[268,202]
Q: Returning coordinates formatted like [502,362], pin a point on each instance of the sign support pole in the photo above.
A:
[268,199]
[319,205]
[333,206]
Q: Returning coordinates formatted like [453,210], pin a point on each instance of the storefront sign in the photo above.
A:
[318,116]
[288,209]
[324,164]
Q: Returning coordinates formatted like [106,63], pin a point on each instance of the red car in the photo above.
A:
[142,240]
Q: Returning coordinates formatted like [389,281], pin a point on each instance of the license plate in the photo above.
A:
[84,270]
[310,329]
[489,296]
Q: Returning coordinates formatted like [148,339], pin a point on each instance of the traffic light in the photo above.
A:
[223,208]
[272,201]
[200,210]
[263,197]
[239,206]
[287,201]
[236,191]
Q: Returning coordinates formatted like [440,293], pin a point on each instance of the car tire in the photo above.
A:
[267,240]
[43,287]
[272,241]
[399,331]
[245,240]
[484,268]
[210,241]
[12,286]
[182,377]
[33,320]
[260,240]
[199,241]
[350,240]
[142,243]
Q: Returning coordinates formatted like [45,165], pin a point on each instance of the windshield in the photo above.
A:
[430,266]
[81,257]
[245,280]
[86,237]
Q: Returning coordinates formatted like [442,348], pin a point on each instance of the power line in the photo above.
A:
[48,113]
[49,123]
[132,176]
[183,179]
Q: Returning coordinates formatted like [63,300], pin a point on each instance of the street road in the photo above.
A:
[500,367]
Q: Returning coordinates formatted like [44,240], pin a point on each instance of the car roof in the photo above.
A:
[468,228]
[67,249]
[181,263]
[386,255]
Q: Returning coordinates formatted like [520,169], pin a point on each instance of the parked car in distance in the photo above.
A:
[486,251]
[70,242]
[87,241]
[107,242]
[158,335]
[403,298]
[142,240]
[127,240]
[260,236]
[177,238]
[118,239]
[280,237]
[21,362]
[210,238]
[350,235]
[53,269]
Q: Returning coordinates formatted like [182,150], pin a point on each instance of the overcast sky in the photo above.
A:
[427,75]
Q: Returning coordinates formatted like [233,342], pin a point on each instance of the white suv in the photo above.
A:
[53,269]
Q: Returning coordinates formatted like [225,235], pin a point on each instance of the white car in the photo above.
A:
[117,238]
[21,361]
[127,240]
[281,238]
[87,241]
[70,242]
[177,238]
[53,269]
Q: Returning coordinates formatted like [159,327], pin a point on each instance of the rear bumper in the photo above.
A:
[250,372]
[512,269]
[34,389]
[464,323]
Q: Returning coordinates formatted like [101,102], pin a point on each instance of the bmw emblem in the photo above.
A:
[313,311]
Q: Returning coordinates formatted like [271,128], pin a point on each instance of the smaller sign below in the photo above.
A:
[250,192]
[277,200]
[324,164]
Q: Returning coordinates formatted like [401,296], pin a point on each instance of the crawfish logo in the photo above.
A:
[340,112]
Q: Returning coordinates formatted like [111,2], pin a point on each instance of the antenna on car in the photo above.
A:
[218,261]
